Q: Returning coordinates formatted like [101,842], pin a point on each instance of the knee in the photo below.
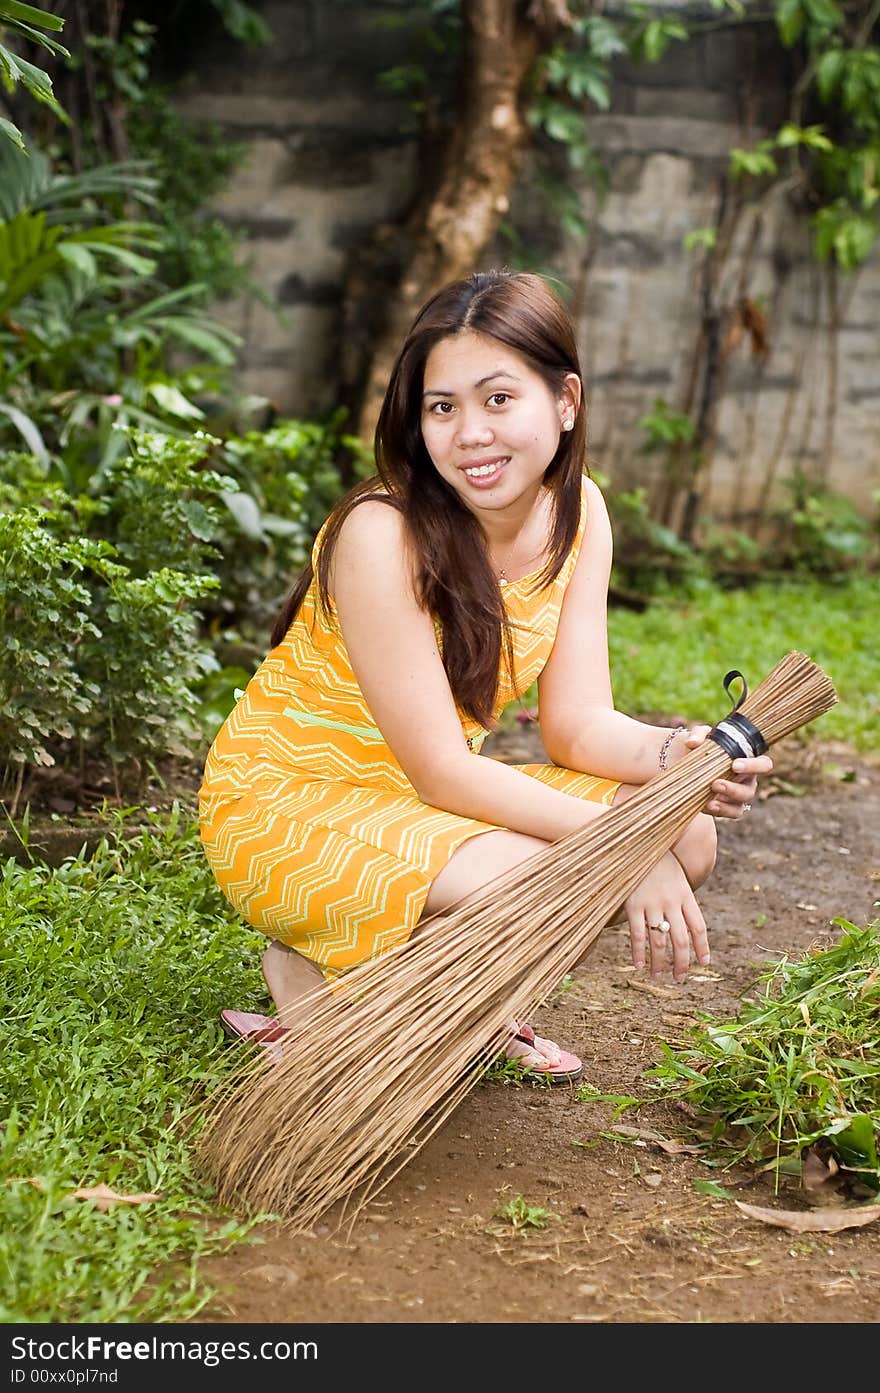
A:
[698,849]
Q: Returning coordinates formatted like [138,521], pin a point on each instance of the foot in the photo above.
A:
[265,1031]
[541,1056]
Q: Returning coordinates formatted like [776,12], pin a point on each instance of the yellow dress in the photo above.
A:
[310,825]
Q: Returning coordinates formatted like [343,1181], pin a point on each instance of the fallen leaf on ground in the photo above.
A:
[104,1196]
[664,992]
[817,1172]
[279,1274]
[812,1221]
[671,1147]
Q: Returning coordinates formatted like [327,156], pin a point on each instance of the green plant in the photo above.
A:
[522,1215]
[288,477]
[190,162]
[837,77]
[162,507]
[648,556]
[116,966]
[27,22]
[147,661]
[730,552]
[672,657]
[798,1064]
[88,330]
[820,531]
[45,617]
[123,637]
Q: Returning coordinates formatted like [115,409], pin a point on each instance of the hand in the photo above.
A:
[731,797]
[665,897]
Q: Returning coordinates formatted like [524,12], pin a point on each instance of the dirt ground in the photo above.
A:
[632,1240]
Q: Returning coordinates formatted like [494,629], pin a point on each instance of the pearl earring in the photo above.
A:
[568,424]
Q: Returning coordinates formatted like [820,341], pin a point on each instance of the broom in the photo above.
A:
[390,1053]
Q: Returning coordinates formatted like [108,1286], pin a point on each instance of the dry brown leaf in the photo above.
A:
[104,1196]
[672,1148]
[821,1175]
[665,993]
[813,1221]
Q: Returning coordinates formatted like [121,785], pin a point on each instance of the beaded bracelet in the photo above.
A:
[664,748]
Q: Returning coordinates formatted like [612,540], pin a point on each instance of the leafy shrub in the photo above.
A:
[105,653]
[160,503]
[648,556]
[146,660]
[45,615]
[821,531]
[289,478]
[730,552]
[88,327]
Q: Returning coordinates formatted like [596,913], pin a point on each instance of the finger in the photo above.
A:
[680,944]
[658,940]
[761,764]
[637,937]
[738,792]
[696,926]
[696,735]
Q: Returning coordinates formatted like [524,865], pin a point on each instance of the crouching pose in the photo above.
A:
[345,798]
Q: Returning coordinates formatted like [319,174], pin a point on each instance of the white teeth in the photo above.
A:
[482,470]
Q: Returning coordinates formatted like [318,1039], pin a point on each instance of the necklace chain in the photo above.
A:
[502,569]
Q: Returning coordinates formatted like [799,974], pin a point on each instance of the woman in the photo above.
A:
[344,799]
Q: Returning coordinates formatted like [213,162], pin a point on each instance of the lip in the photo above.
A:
[484,480]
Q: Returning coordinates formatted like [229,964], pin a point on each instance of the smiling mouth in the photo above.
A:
[485,471]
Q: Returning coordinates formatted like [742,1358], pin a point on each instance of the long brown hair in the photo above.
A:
[456,583]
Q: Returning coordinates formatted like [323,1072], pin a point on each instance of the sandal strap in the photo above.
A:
[525,1033]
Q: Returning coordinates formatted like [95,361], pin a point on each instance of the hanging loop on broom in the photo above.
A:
[736,734]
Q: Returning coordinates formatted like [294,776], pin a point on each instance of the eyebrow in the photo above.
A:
[445,392]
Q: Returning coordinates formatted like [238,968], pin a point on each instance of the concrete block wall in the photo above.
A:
[330,153]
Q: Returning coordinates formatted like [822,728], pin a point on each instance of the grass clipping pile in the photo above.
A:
[396,1046]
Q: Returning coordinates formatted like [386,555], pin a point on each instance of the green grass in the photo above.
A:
[521,1215]
[672,658]
[800,1062]
[113,971]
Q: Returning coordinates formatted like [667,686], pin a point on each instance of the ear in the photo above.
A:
[570,397]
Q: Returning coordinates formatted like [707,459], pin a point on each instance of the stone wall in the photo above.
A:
[330,153]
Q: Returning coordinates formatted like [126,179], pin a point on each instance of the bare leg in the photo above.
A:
[290,977]
[697,846]
[469,869]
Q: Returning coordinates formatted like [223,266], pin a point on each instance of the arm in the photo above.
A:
[395,658]
[579,725]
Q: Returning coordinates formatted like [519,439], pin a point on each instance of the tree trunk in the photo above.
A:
[446,235]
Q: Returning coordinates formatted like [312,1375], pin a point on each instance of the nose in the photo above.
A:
[474,428]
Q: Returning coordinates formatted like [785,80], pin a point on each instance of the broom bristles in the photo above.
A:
[392,1050]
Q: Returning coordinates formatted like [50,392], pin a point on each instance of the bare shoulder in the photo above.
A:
[595,498]
[598,521]
[373,536]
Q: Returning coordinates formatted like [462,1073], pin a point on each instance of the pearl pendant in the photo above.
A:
[502,580]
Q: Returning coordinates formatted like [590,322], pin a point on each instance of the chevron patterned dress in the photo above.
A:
[310,825]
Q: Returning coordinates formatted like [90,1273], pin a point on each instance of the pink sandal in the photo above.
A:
[569,1068]
[266,1031]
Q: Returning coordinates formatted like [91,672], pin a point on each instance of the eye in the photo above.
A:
[499,398]
[440,408]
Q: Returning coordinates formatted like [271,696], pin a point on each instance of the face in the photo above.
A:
[489,422]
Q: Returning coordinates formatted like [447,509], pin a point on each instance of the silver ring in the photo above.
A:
[662,928]
[747,807]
